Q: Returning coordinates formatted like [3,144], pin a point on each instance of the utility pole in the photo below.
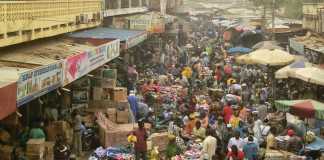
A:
[273,18]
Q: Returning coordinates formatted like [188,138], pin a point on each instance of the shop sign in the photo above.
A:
[37,82]
[133,41]
[151,23]
[140,24]
[298,47]
[81,64]
[113,49]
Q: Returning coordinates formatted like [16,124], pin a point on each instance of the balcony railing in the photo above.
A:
[22,21]
[122,11]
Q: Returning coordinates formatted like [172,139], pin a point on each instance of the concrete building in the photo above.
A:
[23,21]
[313,16]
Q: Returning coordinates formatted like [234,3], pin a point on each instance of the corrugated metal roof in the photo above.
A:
[107,33]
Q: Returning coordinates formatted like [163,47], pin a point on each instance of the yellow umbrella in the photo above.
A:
[244,59]
[272,57]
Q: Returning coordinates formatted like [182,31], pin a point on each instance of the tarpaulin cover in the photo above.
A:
[107,33]
[304,108]
[8,97]
[239,50]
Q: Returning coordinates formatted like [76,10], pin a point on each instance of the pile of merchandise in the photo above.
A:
[112,153]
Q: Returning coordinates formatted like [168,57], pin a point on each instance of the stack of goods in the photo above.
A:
[282,142]
[108,98]
[59,127]
[194,152]
[159,140]
[274,155]
[6,152]
[35,149]
[49,150]
[81,93]
[113,153]
[112,134]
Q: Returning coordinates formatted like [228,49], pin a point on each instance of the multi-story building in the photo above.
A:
[22,21]
[313,16]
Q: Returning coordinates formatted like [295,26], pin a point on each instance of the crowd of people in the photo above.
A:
[226,106]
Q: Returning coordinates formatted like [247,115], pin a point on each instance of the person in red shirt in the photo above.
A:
[140,144]
[227,112]
[235,154]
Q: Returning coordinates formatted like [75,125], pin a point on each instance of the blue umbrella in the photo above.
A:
[238,50]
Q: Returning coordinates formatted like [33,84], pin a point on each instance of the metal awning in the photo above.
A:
[129,38]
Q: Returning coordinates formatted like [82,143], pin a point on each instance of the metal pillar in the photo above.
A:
[119,2]
[130,3]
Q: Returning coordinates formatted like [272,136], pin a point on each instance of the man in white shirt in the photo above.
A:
[236,140]
[209,146]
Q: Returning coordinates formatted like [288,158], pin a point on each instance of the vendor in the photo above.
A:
[36,131]
[294,143]
[140,144]
[189,126]
[199,131]
[172,148]
[209,145]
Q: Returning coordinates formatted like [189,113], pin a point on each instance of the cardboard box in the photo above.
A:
[49,150]
[32,156]
[119,94]
[97,93]
[59,127]
[5,152]
[122,105]
[112,114]
[109,74]
[122,116]
[160,139]
[108,83]
[116,136]
[35,146]
[106,94]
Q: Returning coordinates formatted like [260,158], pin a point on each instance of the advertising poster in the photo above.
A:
[38,82]
[81,64]
[75,67]
[113,50]
[131,42]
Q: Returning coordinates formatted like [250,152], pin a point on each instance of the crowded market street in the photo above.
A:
[214,82]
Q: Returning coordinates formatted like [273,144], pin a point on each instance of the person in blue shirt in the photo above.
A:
[250,149]
[133,102]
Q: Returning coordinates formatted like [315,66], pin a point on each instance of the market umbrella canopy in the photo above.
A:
[290,70]
[313,75]
[267,45]
[239,50]
[244,59]
[272,57]
[303,108]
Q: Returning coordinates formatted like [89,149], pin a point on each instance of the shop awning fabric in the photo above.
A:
[303,108]
[8,96]
[129,37]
